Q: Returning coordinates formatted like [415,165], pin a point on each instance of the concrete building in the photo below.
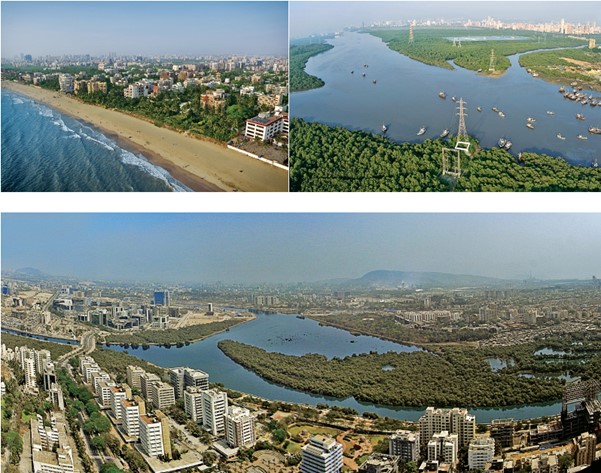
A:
[455,421]
[239,427]
[151,435]
[193,403]
[176,378]
[55,395]
[118,393]
[321,455]
[103,393]
[480,452]
[584,449]
[134,375]
[66,83]
[146,381]
[30,373]
[196,378]
[50,451]
[405,444]
[443,447]
[162,395]
[214,407]
[503,430]
[264,126]
[42,357]
[131,411]
[380,463]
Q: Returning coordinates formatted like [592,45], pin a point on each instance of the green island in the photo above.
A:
[399,379]
[334,159]
[432,46]
[566,65]
[299,55]
[56,349]
[169,337]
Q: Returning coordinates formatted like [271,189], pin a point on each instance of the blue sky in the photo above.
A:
[144,28]
[300,247]
[327,17]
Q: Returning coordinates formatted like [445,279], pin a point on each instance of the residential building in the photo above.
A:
[321,455]
[503,430]
[146,381]
[196,378]
[131,411]
[269,101]
[66,83]
[55,395]
[239,427]
[42,357]
[151,435]
[584,449]
[444,447]
[480,452]
[193,403]
[176,378]
[214,407]
[30,373]
[405,444]
[455,421]
[380,463]
[103,393]
[264,126]
[162,395]
[134,374]
[118,393]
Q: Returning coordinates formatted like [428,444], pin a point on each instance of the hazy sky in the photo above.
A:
[300,247]
[145,28]
[326,17]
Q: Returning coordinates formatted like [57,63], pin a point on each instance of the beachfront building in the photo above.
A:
[265,126]
[66,83]
[137,90]
[239,427]
[321,455]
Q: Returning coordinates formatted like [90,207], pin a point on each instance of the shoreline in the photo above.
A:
[201,165]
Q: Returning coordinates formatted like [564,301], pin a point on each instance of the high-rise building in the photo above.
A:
[30,373]
[134,374]
[196,378]
[584,449]
[443,446]
[146,381]
[214,407]
[502,430]
[239,427]
[176,378]
[455,421]
[130,414]
[162,298]
[151,435]
[321,455]
[480,452]
[55,394]
[162,395]
[193,403]
[41,358]
[118,393]
[380,463]
[405,444]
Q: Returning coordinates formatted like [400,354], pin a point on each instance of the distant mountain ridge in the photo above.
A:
[383,277]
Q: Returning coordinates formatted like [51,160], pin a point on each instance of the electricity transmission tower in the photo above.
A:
[451,157]
[411,38]
[491,68]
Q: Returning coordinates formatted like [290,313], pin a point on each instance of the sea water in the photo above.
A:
[44,150]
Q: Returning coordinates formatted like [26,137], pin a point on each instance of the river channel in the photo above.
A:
[293,336]
[405,98]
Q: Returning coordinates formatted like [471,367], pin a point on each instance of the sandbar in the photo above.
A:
[200,165]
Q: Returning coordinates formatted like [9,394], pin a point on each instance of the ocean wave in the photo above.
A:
[101,143]
[61,123]
[141,162]
[17,101]
[44,111]
[75,136]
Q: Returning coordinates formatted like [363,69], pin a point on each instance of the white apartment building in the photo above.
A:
[214,407]
[239,427]
[266,126]
[118,393]
[130,414]
[193,403]
[151,435]
[146,381]
[444,447]
[480,452]
[162,395]
[405,444]
[455,421]
[103,393]
[321,455]
[30,373]
[134,374]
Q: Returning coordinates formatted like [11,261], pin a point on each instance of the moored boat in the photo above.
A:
[595,130]
[373,81]
[501,114]
[580,116]
[421,131]
[530,125]
[508,145]
[502,142]
[560,136]
[442,95]
[550,113]
[445,133]
[531,120]
[582,137]
[384,128]
[454,99]
[479,109]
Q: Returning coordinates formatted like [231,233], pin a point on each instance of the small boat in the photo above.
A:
[595,130]
[595,163]
[495,109]
[502,142]
[593,103]
[365,65]
[479,109]
[530,125]
[445,133]
[584,102]
[582,137]
[363,74]
[421,131]
[531,120]
[560,136]
[454,99]
[352,72]
[579,116]
[501,114]
[562,90]
[373,81]
[384,128]
[550,113]
[535,74]
[442,95]
[508,145]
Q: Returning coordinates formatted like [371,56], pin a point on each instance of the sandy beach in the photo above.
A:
[200,165]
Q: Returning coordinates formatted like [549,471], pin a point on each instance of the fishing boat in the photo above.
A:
[502,142]
[562,90]
[595,130]
[352,72]
[363,74]
[384,128]
[445,133]
[584,102]
[508,145]
[442,95]
[530,125]
[373,81]
[495,109]
[421,131]
[479,109]
[579,116]
[560,136]
[550,113]
[454,99]
[531,120]
[501,114]
[593,103]
[582,137]
[595,163]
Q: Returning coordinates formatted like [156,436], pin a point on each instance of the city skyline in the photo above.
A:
[309,18]
[286,248]
[161,28]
